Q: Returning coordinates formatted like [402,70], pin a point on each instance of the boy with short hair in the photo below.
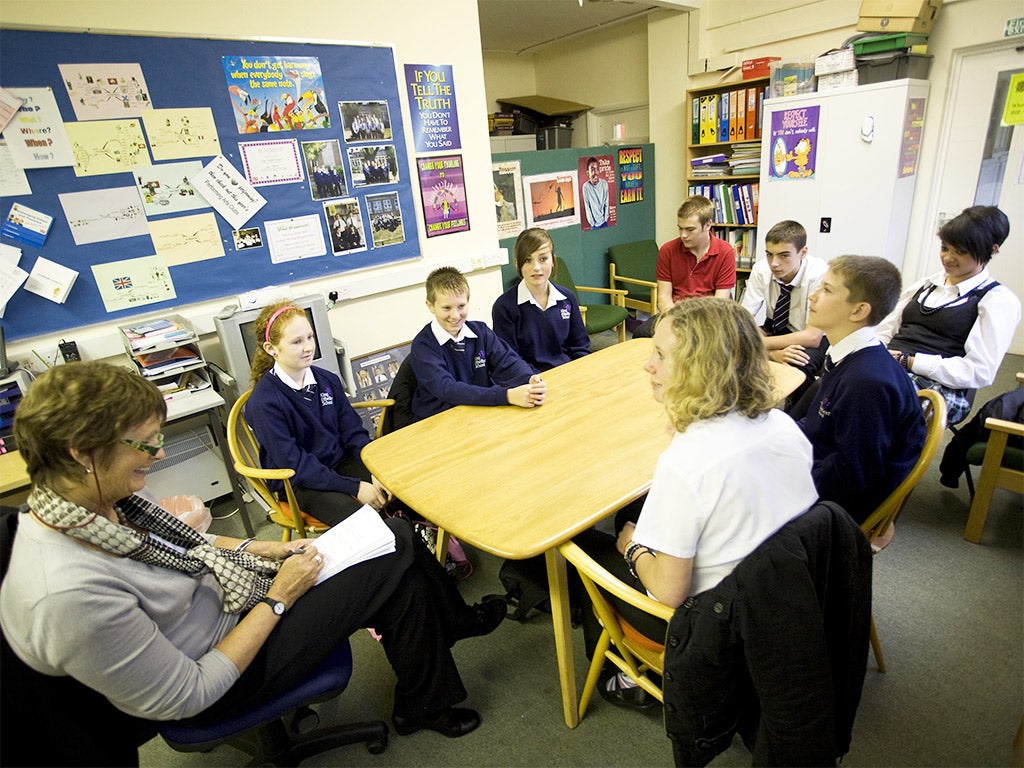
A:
[694,264]
[865,421]
[463,362]
[777,295]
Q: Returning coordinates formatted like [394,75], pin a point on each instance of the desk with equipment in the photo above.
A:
[467,486]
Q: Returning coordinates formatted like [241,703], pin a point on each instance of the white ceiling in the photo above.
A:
[524,26]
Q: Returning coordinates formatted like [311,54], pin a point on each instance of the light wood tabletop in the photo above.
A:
[518,482]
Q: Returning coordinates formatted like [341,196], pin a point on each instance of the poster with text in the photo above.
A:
[435,119]
[551,200]
[444,195]
[275,93]
[36,135]
[597,191]
[631,175]
[508,207]
[794,143]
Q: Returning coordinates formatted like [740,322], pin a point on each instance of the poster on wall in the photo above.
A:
[508,207]
[552,200]
[597,175]
[435,119]
[36,134]
[794,143]
[106,91]
[276,93]
[443,190]
[373,374]
[631,175]
[910,148]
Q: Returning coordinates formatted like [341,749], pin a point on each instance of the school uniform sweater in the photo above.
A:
[309,436]
[867,429]
[544,338]
[482,374]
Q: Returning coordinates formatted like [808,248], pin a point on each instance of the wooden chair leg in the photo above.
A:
[596,665]
[622,331]
[986,485]
[876,646]
[441,548]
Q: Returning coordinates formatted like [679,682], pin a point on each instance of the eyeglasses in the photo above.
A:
[151,448]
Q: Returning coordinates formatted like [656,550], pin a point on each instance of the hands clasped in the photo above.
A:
[529,395]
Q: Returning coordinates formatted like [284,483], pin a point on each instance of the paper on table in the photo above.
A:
[362,536]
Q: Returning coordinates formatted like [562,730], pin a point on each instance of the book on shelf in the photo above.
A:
[166,360]
[360,536]
[154,332]
[718,158]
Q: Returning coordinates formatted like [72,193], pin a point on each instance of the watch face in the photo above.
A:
[275,605]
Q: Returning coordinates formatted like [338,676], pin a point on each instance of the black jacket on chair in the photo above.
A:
[777,650]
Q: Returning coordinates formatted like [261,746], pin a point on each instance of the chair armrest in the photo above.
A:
[635,281]
[263,474]
[373,403]
[618,294]
[585,564]
[1001,425]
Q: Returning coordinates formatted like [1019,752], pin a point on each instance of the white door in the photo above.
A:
[968,178]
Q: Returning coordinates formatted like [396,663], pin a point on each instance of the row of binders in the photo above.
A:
[730,116]
[735,204]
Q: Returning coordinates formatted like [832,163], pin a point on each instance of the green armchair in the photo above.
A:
[596,317]
[631,266]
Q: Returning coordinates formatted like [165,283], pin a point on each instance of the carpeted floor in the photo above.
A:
[949,616]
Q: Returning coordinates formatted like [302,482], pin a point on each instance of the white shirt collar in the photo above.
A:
[798,279]
[963,287]
[523,295]
[860,339]
[443,337]
[307,378]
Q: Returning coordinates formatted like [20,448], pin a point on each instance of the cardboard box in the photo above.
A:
[898,15]
[838,80]
[830,63]
[757,67]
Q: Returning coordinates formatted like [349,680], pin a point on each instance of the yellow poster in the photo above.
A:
[1013,112]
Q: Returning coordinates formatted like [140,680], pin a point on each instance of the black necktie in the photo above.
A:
[780,315]
[828,365]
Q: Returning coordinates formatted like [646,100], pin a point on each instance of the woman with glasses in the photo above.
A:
[170,624]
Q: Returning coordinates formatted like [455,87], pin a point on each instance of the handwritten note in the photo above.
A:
[228,191]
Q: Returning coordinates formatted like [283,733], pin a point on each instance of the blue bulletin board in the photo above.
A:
[340,100]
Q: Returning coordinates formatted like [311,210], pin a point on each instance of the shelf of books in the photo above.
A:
[724,159]
[166,351]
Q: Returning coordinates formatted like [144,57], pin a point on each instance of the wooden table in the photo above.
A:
[517,482]
[14,481]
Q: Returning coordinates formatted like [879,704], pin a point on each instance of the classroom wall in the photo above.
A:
[421,35]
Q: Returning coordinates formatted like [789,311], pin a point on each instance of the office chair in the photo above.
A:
[632,265]
[245,452]
[596,317]
[878,527]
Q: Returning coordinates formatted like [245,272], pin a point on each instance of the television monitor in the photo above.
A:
[239,343]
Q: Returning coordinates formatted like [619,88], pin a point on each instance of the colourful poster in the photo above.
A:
[435,119]
[597,191]
[910,147]
[274,93]
[508,207]
[631,175]
[552,200]
[443,190]
[794,143]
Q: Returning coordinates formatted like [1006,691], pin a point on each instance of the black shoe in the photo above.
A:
[629,698]
[452,722]
[484,617]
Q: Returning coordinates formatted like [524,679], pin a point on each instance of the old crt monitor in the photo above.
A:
[239,343]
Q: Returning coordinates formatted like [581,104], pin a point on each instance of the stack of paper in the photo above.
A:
[362,536]
[11,275]
[167,360]
[153,332]
[50,280]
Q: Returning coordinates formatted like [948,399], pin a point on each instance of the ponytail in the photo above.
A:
[274,315]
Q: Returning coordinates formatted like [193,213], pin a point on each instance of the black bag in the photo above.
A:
[526,589]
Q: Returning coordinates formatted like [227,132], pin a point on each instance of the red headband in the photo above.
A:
[274,317]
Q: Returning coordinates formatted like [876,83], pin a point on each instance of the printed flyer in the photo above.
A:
[435,119]
[444,195]
[794,143]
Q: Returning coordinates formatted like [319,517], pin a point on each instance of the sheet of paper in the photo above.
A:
[98,215]
[271,162]
[26,225]
[106,91]
[227,191]
[36,133]
[298,238]
[133,282]
[11,278]
[186,239]
[361,536]
[165,188]
[13,180]
[9,106]
[107,146]
[179,133]
[50,280]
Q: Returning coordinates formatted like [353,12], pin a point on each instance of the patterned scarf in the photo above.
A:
[244,579]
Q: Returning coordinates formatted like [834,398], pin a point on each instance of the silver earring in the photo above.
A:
[88,470]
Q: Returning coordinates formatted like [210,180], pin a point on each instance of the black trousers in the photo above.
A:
[406,596]
[332,507]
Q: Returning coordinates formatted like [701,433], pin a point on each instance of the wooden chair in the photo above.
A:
[879,525]
[996,472]
[631,266]
[625,647]
[596,317]
[245,452]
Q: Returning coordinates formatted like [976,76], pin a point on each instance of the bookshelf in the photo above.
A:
[723,160]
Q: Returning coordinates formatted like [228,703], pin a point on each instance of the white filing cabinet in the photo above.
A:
[867,143]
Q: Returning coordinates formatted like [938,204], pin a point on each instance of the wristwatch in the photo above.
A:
[275,605]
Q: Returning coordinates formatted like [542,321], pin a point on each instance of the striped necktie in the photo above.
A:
[780,315]
[308,392]
[458,346]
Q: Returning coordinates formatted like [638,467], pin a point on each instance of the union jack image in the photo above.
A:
[121,283]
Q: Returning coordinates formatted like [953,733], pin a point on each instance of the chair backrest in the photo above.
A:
[402,388]
[563,276]
[637,259]
[934,407]
[245,452]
